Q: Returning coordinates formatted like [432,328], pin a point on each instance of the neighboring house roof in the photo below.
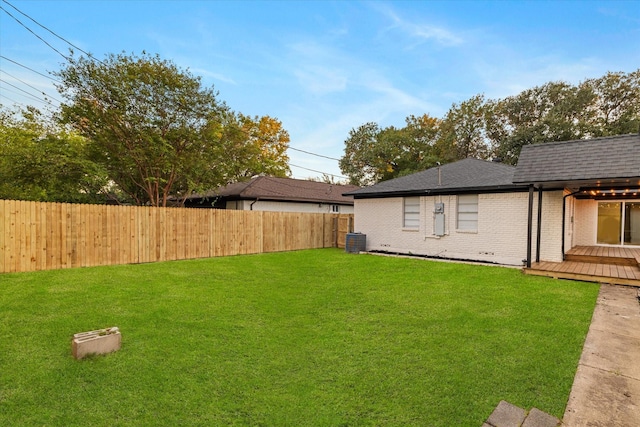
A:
[468,175]
[282,189]
[615,157]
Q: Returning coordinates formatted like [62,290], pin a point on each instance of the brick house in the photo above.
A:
[561,195]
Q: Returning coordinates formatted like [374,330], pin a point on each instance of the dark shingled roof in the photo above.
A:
[612,157]
[282,189]
[468,175]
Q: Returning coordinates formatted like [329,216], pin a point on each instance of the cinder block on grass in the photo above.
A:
[101,341]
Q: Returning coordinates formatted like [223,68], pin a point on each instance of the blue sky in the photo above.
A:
[325,67]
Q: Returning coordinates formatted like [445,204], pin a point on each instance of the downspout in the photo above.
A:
[252,203]
[564,212]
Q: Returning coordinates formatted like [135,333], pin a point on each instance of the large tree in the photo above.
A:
[616,106]
[255,146]
[555,111]
[462,132]
[373,154]
[558,111]
[155,128]
[479,128]
[42,162]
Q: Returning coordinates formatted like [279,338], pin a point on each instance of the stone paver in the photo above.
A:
[537,418]
[506,415]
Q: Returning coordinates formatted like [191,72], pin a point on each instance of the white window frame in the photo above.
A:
[411,213]
[467,213]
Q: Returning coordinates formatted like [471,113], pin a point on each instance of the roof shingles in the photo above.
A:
[283,189]
[580,160]
[464,175]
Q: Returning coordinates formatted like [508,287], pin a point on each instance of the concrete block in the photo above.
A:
[100,341]
[537,418]
[507,415]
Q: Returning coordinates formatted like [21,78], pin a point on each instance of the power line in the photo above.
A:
[4,89]
[313,154]
[51,31]
[32,87]
[28,29]
[251,135]
[12,100]
[22,90]
[317,171]
[30,69]
[89,55]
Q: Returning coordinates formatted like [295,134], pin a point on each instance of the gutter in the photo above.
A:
[440,191]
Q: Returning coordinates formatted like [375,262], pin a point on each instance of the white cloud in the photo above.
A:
[509,72]
[318,68]
[420,32]
[215,76]
[320,80]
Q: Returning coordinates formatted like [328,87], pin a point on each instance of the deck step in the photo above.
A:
[594,259]
[587,272]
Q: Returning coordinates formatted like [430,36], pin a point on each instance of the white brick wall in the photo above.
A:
[501,236]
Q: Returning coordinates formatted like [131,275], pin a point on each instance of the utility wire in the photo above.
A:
[5,89]
[313,154]
[32,87]
[317,171]
[250,135]
[28,29]
[2,95]
[22,90]
[30,69]
[51,31]
[90,55]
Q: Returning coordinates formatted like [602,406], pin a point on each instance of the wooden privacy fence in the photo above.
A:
[45,236]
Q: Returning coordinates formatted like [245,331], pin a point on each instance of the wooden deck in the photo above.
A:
[603,264]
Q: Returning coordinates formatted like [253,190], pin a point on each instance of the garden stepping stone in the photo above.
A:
[508,415]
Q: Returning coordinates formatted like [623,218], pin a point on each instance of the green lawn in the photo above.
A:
[309,338]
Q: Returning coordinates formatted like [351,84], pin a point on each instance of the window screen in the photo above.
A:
[411,217]
[468,212]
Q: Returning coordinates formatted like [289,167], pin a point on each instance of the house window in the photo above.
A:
[411,216]
[468,212]
[335,208]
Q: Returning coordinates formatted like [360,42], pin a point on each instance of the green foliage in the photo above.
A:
[616,106]
[338,340]
[159,133]
[552,112]
[480,128]
[254,146]
[42,162]
[373,154]
[462,133]
[153,126]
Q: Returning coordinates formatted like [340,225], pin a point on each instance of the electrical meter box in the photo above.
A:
[438,219]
